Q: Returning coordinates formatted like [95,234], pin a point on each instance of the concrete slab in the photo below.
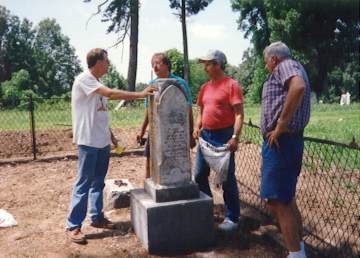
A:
[176,226]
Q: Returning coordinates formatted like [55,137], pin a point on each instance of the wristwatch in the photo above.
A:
[234,137]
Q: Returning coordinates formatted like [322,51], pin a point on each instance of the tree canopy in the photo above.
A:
[113,79]
[323,36]
[41,56]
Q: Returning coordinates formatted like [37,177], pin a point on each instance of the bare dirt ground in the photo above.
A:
[18,144]
[37,194]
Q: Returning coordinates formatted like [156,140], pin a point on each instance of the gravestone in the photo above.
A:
[170,163]
[170,214]
[345,99]
[170,141]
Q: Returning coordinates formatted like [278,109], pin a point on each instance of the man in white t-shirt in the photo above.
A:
[92,134]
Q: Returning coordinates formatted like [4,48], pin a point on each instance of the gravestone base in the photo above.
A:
[176,226]
[160,193]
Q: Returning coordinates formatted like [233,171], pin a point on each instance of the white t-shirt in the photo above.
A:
[90,120]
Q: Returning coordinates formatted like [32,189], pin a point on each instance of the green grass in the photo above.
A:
[328,121]
[58,115]
[331,122]
[252,112]
[335,122]
[127,117]
[14,120]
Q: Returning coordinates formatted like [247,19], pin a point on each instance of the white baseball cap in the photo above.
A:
[214,55]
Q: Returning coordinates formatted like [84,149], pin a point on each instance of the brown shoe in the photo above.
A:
[76,236]
[103,223]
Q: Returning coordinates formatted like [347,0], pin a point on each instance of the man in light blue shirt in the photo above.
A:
[162,67]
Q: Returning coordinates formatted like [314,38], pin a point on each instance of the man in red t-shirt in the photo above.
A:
[219,122]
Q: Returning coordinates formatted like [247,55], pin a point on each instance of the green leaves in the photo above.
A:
[30,56]
[177,61]
[56,61]
[113,79]
[197,74]
[321,34]
[16,88]
[192,6]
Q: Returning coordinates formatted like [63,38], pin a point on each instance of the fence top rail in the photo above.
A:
[353,145]
[69,98]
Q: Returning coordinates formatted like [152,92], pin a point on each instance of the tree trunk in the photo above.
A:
[186,55]
[134,36]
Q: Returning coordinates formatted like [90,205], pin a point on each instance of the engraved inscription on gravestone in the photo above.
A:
[170,203]
[169,123]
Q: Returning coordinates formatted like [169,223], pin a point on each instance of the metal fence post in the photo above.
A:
[32,126]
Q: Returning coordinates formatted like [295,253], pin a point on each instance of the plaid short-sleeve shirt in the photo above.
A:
[274,93]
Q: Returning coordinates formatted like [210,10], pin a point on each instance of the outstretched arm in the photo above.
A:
[122,94]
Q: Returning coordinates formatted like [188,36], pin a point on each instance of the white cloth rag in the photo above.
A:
[6,219]
[217,158]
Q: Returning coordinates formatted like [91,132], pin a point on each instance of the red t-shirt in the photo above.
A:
[217,98]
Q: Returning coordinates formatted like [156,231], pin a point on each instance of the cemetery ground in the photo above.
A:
[37,194]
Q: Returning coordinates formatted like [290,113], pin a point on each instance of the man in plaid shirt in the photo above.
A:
[284,115]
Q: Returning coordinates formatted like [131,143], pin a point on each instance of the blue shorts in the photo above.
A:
[281,167]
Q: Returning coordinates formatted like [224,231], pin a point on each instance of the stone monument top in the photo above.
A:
[170,163]
[171,214]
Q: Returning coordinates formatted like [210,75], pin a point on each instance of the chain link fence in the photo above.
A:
[42,127]
[328,189]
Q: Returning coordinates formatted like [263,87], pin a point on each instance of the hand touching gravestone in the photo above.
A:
[171,214]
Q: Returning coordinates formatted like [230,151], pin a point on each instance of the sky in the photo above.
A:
[159,30]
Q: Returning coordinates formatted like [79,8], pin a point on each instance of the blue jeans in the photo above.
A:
[202,170]
[92,168]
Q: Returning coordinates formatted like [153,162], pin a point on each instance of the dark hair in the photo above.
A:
[94,55]
[164,59]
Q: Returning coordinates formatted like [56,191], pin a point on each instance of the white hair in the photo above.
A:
[278,49]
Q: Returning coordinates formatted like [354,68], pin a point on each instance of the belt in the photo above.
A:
[289,134]
[219,129]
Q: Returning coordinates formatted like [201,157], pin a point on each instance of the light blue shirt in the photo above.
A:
[184,86]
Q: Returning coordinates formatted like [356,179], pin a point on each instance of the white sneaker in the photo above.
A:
[299,254]
[228,225]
